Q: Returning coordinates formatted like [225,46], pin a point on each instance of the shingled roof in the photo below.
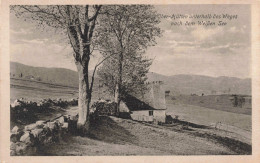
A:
[135,104]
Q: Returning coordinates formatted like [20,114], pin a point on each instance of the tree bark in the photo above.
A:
[81,55]
[117,98]
[84,98]
[118,90]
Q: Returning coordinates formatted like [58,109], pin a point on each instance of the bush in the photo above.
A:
[102,107]
[238,101]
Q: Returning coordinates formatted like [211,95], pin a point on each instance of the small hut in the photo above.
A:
[151,108]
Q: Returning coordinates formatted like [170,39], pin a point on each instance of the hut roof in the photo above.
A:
[135,104]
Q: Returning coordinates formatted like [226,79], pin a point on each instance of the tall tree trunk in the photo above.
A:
[84,98]
[117,97]
[80,41]
[118,90]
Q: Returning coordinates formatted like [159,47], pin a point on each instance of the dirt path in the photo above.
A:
[116,136]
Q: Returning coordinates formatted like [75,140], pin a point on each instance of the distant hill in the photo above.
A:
[50,75]
[198,84]
[177,84]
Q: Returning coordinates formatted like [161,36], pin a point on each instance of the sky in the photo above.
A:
[214,50]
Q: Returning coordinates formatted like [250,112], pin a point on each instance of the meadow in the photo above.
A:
[110,134]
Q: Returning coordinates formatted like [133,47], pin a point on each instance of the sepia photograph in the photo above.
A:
[130,80]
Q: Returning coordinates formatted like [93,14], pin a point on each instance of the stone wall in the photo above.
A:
[42,104]
[25,111]
[28,141]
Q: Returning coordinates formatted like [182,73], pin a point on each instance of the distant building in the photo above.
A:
[31,77]
[167,93]
[150,108]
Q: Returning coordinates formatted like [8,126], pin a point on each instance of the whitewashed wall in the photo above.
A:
[143,115]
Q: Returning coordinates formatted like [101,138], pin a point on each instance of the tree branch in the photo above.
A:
[41,11]
[74,42]
[94,17]
[86,26]
[94,71]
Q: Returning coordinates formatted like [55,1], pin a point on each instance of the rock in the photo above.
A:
[40,123]
[20,148]
[14,138]
[61,120]
[16,103]
[26,138]
[74,117]
[15,129]
[45,126]
[36,132]
[66,116]
[92,110]
[30,127]
[51,125]
[29,102]
[65,125]
[12,146]
[39,104]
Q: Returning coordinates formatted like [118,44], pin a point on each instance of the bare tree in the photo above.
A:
[78,23]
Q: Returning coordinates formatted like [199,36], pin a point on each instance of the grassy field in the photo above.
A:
[35,90]
[240,124]
[216,102]
[207,116]
[116,136]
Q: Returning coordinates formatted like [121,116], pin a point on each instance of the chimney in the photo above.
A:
[155,97]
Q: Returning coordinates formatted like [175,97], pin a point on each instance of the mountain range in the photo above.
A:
[176,84]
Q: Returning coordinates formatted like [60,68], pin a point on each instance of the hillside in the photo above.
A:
[177,84]
[51,75]
[127,137]
[198,84]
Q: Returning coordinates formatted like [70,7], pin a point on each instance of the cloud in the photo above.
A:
[223,49]
[34,41]
[39,54]
[181,49]
[202,33]
[235,29]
